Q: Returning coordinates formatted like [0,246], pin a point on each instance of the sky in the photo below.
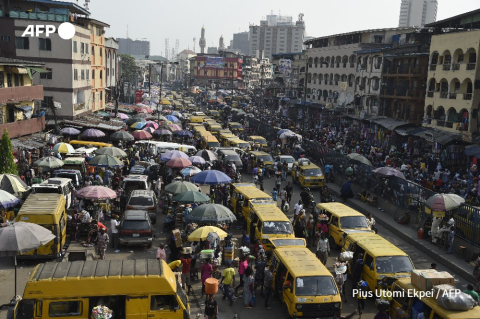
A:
[156,20]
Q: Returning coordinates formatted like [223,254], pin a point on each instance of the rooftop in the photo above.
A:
[310,41]
[73,7]
[467,20]
[16,62]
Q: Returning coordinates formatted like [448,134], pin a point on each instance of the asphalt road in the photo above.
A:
[225,311]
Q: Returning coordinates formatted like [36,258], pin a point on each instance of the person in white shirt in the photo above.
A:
[323,248]
[113,226]
[298,207]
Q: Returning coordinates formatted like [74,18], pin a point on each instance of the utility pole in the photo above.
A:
[160,93]
[149,78]
[117,94]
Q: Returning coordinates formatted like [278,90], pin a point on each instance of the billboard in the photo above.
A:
[285,67]
[215,62]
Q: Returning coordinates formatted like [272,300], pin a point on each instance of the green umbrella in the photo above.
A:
[191,197]
[180,187]
[112,151]
[211,213]
[105,161]
[49,162]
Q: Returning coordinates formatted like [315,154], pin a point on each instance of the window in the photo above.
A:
[100,52]
[82,74]
[45,44]
[82,48]
[108,71]
[75,74]
[101,74]
[101,96]
[86,48]
[378,39]
[65,308]
[47,101]
[47,75]
[16,79]
[22,43]
[88,74]
[93,74]
[164,302]
[5,38]
[2,79]
[99,31]
[92,29]
[75,47]
[460,58]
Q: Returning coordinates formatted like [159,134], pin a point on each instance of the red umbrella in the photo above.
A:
[179,162]
[141,135]
[143,110]
[96,192]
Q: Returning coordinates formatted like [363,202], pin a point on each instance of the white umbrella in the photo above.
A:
[444,202]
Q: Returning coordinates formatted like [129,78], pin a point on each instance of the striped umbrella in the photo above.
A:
[63,148]
[12,184]
[91,132]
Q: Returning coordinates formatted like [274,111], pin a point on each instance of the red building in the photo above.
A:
[223,70]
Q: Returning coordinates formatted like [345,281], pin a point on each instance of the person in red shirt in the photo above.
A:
[186,263]
[101,226]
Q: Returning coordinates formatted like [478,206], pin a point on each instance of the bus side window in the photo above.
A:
[334,221]
[38,308]
[164,303]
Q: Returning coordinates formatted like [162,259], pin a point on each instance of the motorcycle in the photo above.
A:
[238,177]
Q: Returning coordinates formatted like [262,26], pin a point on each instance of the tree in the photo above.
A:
[129,68]
[7,161]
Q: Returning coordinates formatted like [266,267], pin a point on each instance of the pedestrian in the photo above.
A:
[211,308]
[346,190]
[357,270]
[341,277]
[206,272]
[275,195]
[243,264]
[283,197]
[471,292]
[249,288]
[371,222]
[268,283]
[451,237]
[114,224]
[323,248]
[161,254]
[289,189]
[361,296]
[260,264]
[102,243]
[228,280]
[310,230]
[74,227]
[298,207]
[186,264]
[382,314]
[245,239]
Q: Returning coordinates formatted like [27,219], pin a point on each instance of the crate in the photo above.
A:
[33,15]
[425,280]
[176,234]
[23,15]
[178,242]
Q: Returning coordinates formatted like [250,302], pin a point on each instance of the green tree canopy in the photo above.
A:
[7,161]
[129,68]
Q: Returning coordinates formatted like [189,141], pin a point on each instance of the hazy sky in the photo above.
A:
[156,20]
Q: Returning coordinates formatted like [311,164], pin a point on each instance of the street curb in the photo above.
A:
[441,260]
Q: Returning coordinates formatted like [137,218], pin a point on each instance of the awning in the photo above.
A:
[407,129]
[39,70]
[473,150]
[20,70]
[389,124]
[438,136]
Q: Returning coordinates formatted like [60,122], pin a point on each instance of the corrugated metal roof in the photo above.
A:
[96,122]
[389,123]
[473,150]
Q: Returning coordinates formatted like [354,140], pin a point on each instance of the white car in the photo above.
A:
[137,170]
[289,159]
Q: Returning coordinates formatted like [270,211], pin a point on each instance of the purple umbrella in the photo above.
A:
[162,132]
[197,160]
[183,133]
[122,116]
[388,172]
[91,132]
[173,154]
[70,131]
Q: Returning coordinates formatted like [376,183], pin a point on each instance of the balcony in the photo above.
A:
[344,65]
[24,127]
[79,106]
[447,67]
[407,70]
[452,96]
[433,67]
[352,65]
[444,95]
[467,96]
[403,93]
[471,66]
[455,66]
[21,93]
[430,94]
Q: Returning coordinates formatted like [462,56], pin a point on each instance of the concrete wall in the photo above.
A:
[25,127]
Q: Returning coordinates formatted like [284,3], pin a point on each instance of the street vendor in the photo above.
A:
[174,264]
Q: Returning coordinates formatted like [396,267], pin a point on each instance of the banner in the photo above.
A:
[285,67]
[215,62]
[138,96]
[343,86]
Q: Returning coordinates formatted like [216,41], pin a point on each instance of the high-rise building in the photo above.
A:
[277,34]
[133,47]
[417,13]
[240,43]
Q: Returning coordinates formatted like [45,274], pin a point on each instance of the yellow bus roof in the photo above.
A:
[99,278]
[256,137]
[270,213]
[339,209]
[41,203]
[301,261]
[406,283]
[310,166]
[236,185]
[376,244]
[256,153]
[251,192]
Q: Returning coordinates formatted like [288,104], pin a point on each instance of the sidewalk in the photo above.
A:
[409,234]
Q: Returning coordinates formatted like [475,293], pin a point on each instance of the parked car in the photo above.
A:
[134,182]
[144,200]
[136,228]
[289,159]
[137,169]
[229,155]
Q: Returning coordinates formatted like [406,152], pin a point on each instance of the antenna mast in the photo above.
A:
[167,48]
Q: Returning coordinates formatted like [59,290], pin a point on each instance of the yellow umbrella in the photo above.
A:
[63,148]
[202,233]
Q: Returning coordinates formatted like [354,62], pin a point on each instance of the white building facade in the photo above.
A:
[417,13]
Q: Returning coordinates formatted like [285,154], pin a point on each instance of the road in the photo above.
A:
[278,311]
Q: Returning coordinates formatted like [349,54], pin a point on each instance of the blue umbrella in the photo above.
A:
[183,133]
[283,131]
[7,200]
[172,118]
[286,99]
[210,177]
[70,131]
[190,171]
[173,154]
[138,125]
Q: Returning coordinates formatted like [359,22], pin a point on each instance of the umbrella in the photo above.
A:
[202,233]
[172,118]
[112,151]
[162,118]
[7,200]
[211,177]
[149,130]
[151,124]
[388,172]
[12,184]
[180,187]
[96,192]
[21,237]
[122,116]
[161,132]
[197,160]
[122,136]
[63,148]
[105,161]
[173,154]
[283,131]
[191,197]
[207,155]
[138,125]
[143,110]
[183,133]
[49,162]
[287,134]
[69,131]
[142,135]
[444,202]
[91,132]
[359,158]
[190,171]
[134,120]
[211,213]
[179,162]
[174,127]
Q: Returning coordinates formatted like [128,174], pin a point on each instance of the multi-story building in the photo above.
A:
[133,47]
[277,34]
[453,90]
[183,58]
[291,84]
[68,81]
[97,44]
[334,72]
[240,42]
[417,13]
[212,50]
[18,96]
[112,67]
[220,70]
